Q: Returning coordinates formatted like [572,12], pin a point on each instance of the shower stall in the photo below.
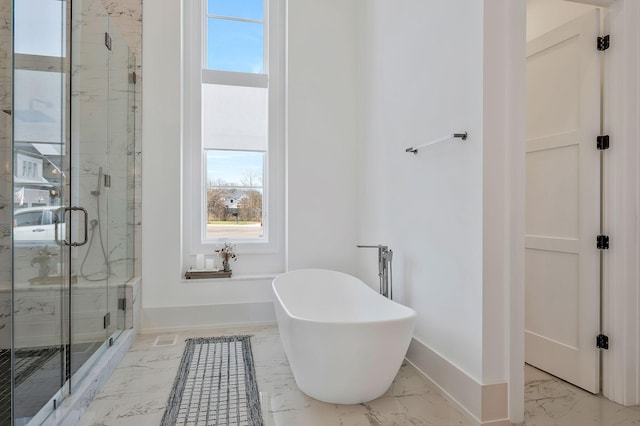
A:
[67,142]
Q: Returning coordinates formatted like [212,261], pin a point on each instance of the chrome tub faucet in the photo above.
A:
[385,256]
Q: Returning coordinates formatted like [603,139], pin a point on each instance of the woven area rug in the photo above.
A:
[215,384]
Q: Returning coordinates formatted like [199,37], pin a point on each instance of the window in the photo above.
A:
[234,194]
[31,170]
[235,38]
[233,128]
[234,139]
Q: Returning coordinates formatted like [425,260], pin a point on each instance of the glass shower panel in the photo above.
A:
[40,171]
[89,118]
[6,212]
[131,168]
[120,153]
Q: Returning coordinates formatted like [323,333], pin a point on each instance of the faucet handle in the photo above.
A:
[382,250]
[388,254]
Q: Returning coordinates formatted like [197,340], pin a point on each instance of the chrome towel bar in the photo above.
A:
[462,136]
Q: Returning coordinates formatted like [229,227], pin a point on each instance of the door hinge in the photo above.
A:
[107,40]
[603,142]
[602,242]
[602,341]
[107,320]
[107,181]
[603,43]
[122,304]
[133,78]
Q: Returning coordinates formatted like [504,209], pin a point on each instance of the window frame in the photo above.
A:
[267,253]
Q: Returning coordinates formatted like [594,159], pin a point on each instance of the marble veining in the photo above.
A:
[137,392]
[550,401]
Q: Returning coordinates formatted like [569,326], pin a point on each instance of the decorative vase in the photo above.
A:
[225,265]
[43,272]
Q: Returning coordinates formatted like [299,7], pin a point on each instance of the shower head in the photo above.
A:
[96,193]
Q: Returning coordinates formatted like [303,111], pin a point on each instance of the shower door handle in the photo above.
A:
[86,227]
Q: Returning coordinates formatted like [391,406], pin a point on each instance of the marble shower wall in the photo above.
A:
[102,113]
[108,85]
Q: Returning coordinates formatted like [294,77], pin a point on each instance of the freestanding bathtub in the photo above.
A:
[345,342]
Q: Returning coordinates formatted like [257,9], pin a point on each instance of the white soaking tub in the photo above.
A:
[345,342]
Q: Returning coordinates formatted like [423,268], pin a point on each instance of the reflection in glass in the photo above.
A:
[38,107]
[40,27]
[38,116]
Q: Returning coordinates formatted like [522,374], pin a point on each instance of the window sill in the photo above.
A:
[233,279]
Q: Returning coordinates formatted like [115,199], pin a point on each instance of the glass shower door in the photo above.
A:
[102,155]
[40,179]
[72,235]
[90,265]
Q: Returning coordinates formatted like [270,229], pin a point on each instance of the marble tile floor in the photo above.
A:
[137,392]
[550,401]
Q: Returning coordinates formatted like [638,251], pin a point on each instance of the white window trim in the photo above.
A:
[255,256]
[235,78]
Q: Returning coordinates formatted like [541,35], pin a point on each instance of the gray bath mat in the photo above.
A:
[215,384]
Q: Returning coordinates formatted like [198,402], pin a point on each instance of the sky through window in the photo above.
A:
[234,167]
[235,35]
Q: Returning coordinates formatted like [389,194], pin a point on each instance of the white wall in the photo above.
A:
[503,199]
[621,322]
[545,15]
[321,134]
[161,168]
[421,78]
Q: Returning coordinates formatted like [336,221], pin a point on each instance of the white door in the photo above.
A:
[562,278]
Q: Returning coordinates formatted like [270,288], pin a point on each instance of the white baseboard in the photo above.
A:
[177,318]
[481,404]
